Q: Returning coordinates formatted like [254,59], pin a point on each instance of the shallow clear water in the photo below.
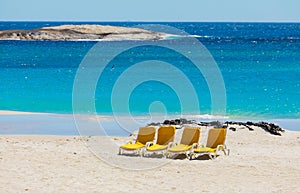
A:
[259,62]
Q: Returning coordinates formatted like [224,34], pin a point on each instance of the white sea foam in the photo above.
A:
[164,37]
[172,36]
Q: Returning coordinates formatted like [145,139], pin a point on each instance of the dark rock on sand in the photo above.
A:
[268,127]
[232,128]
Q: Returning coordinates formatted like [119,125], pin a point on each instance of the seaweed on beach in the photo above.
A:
[268,127]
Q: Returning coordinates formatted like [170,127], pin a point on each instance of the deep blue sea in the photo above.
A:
[259,63]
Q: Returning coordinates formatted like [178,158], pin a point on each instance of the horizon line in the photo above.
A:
[149,21]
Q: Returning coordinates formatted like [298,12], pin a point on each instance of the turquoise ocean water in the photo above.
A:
[259,62]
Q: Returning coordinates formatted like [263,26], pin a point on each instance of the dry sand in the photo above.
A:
[258,162]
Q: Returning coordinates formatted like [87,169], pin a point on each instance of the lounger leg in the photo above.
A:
[192,156]
[140,152]
[164,154]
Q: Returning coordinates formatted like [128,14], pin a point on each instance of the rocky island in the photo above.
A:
[81,32]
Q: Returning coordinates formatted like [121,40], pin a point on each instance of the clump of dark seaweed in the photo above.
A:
[268,127]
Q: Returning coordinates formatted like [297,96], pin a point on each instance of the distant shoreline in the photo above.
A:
[82,32]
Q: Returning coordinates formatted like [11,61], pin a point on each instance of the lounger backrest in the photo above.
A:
[146,134]
[165,135]
[190,136]
[216,137]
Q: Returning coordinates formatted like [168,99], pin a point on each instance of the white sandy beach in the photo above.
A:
[258,162]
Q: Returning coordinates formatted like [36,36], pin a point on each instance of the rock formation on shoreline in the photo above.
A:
[81,32]
[268,127]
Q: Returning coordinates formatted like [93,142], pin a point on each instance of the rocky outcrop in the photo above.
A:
[81,32]
[268,127]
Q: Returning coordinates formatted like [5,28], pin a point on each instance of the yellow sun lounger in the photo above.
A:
[165,136]
[215,143]
[146,135]
[190,137]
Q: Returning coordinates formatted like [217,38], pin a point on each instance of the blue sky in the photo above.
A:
[150,10]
